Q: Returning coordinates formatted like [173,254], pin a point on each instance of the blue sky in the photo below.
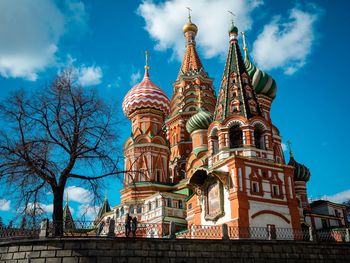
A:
[302,44]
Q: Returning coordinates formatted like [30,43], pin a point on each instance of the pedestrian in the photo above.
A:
[127,224]
[134,226]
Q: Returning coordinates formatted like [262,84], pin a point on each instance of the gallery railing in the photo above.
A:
[113,229]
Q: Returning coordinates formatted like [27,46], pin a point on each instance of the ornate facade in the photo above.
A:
[207,160]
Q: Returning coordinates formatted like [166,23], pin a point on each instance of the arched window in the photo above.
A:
[122,211]
[236,137]
[259,138]
[215,142]
[149,206]
[139,209]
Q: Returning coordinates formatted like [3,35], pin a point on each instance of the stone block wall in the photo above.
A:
[104,250]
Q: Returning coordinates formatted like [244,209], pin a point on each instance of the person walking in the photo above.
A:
[127,224]
[134,226]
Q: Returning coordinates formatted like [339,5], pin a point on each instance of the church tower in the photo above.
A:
[191,80]
[146,150]
[240,181]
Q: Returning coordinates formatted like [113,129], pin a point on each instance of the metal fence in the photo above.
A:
[170,230]
[11,232]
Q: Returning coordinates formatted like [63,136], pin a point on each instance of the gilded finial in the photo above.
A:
[290,148]
[106,196]
[189,14]
[146,64]
[244,46]
[189,26]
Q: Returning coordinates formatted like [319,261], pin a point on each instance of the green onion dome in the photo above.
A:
[200,121]
[233,29]
[301,172]
[262,82]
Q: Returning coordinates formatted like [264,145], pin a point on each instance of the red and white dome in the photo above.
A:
[145,95]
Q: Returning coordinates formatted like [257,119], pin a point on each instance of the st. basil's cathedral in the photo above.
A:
[203,158]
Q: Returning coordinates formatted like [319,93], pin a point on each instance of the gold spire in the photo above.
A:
[146,64]
[290,148]
[67,198]
[244,46]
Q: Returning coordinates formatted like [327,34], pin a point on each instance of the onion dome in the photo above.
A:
[233,29]
[200,121]
[145,95]
[301,172]
[189,26]
[262,82]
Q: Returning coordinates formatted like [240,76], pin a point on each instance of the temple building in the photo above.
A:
[202,158]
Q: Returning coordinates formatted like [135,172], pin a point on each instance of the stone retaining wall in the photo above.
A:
[103,250]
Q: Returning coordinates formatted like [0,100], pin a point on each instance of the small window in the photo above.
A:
[255,187]
[275,190]
[189,206]
[158,175]
[169,202]
[157,204]
[139,209]
[149,206]
[180,204]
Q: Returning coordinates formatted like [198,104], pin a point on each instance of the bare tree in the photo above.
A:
[59,133]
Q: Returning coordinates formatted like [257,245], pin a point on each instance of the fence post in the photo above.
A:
[44,228]
[225,232]
[269,234]
[347,235]
[172,230]
[311,234]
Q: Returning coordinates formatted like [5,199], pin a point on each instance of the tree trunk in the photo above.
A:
[57,215]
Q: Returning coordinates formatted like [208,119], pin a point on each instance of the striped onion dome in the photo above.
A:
[145,95]
[262,82]
[301,172]
[200,121]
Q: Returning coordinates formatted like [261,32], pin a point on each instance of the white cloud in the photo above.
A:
[286,44]
[5,205]
[78,194]
[164,22]
[89,212]
[30,32]
[89,76]
[39,207]
[338,197]
[135,77]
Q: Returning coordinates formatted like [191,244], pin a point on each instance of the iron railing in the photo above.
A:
[165,230]
[10,232]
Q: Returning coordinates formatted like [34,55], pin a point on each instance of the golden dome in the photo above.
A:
[189,26]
